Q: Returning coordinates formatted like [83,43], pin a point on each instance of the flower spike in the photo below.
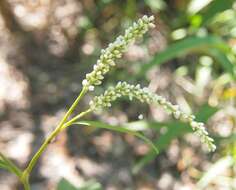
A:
[115,50]
[145,95]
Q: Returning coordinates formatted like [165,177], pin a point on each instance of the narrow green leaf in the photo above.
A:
[195,6]
[213,8]
[155,5]
[3,165]
[65,185]
[7,164]
[90,185]
[118,129]
[223,60]
[173,130]
[205,112]
[193,44]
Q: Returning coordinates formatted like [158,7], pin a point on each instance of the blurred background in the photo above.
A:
[47,47]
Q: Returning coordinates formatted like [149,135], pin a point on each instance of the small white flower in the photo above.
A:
[91,88]
[177,114]
[140,117]
[151,18]
[194,124]
[84,82]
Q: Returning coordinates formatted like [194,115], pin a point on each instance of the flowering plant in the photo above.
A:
[103,65]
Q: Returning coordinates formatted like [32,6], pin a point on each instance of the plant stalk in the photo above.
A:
[57,130]
[70,122]
[26,184]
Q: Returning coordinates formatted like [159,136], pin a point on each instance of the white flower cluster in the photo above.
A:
[144,95]
[115,50]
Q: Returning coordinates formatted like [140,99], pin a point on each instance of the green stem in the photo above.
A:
[57,130]
[41,149]
[73,106]
[70,122]
[26,184]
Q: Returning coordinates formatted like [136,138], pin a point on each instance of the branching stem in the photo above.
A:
[62,125]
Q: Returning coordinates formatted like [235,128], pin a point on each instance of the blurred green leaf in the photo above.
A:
[223,60]
[193,44]
[91,185]
[65,185]
[121,129]
[195,5]
[155,5]
[3,165]
[214,7]
[131,8]
[215,170]
[219,140]
[173,130]
[205,112]
[6,164]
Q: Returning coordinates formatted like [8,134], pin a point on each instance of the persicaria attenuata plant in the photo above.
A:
[94,78]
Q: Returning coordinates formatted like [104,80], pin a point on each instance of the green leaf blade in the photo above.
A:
[7,164]
[194,44]
[118,129]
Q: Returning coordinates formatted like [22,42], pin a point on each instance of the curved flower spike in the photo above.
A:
[115,50]
[144,95]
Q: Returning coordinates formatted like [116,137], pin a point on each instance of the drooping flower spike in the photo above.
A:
[144,95]
[115,50]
